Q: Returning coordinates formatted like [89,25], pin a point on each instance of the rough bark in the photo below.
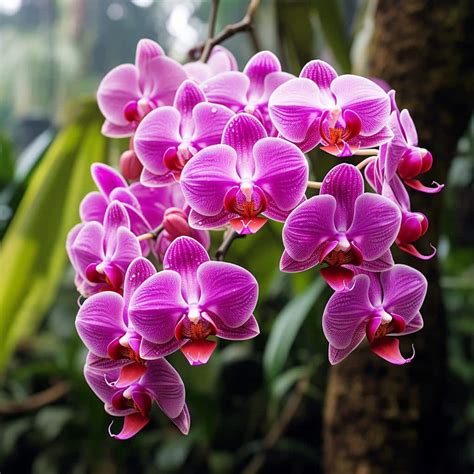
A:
[381,418]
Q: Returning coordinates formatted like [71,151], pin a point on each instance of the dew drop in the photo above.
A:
[214,110]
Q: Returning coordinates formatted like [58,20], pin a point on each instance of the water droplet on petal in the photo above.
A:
[214,110]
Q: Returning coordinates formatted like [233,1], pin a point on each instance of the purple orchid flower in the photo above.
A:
[341,227]
[101,253]
[247,175]
[190,300]
[403,156]
[250,90]
[147,209]
[379,306]
[342,113]
[170,136]
[130,91]
[160,383]
[221,60]
[103,325]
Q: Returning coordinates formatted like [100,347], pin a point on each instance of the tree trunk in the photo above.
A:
[381,418]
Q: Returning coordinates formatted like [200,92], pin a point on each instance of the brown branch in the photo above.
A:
[245,24]
[229,237]
[153,234]
[37,400]
[212,19]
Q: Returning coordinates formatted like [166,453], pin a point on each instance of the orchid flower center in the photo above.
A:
[195,326]
[336,129]
[120,348]
[175,158]
[383,323]
[247,201]
[135,110]
[105,272]
[134,397]
[345,253]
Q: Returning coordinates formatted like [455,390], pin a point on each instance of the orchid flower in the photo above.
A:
[340,227]
[342,113]
[104,327]
[221,60]
[379,306]
[190,300]
[250,90]
[160,383]
[147,208]
[101,253]
[130,91]
[249,174]
[169,137]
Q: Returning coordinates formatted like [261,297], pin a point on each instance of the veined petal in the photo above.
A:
[345,311]
[375,225]
[165,386]
[92,207]
[152,350]
[147,50]
[187,97]
[97,380]
[185,256]
[404,291]
[127,249]
[157,132]
[271,82]
[221,60]
[156,306]
[388,348]
[107,179]
[345,183]
[409,128]
[322,74]
[207,177]
[139,270]
[117,89]
[198,352]
[210,120]
[228,88]
[149,179]
[228,291]
[241,133]
[293,108]
[183,420]
[198,221]
[132,424]
[257,69]
[113,130]
[115,217]
[308,226]
[414,325]
[365,98]
[248,330]
[87,247]
[100,321]
[337,355]
[281,170]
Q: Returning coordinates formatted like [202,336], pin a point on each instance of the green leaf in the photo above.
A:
[7,166]
[334,30]
[286,327]
[33,253]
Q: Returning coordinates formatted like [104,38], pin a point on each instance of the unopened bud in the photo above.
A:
[130,166]
[414,225]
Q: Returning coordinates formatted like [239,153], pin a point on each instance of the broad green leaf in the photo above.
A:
[286,327]
[332,24]
[33,253]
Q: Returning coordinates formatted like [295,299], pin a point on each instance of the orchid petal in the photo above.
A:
[187,97]
[388,348]
[409,128]
[183,420]
[198,352]
[228,88]
[210,120]
[132,424]
[322,74]
[92,207]
[257,69]
[248,330]
[139,270]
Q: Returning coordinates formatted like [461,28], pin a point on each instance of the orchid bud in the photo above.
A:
[414,161]
[414,225]
[130,166]
[175,222]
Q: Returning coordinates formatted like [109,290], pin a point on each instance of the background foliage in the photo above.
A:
[257,404]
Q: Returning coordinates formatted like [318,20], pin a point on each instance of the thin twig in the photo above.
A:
[279,427]
[153,234]
[212,19]
[314,184]
[230,30]
[229,237]
[368,152]
[365,162]
[37,400]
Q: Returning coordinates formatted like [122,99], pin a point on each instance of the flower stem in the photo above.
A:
[153,234]
[368,152]
[314,184]
[229,237]
[365,162]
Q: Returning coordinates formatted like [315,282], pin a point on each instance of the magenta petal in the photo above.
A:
[257,69]
[156,306]
[322,74]
[207,177]
[130,373]
[185,256]
[375,225]
[412,250]
[210,120]
[100,321]
[113,130]
[381,264]
[228,88]
[165,386]
[152,350]
[248,330]
[149,179]
[345,312]
[338,278]
[337,355]
[388,348]
[404,291]
[157,132]
[241,133]
[93,207]
[87,247]
[372,326]
[309,225]
[289,265]
[416,184]
[183,420]
[272,81]
[227,290]
[346,184]
[409,128]
[106,178]
[117,88]
[365,98]
[132,424]
[139,270]
[198,352]
[414,325]
[147,50]
[115,217]
[127,249]
[281,170]
[382,136]
[221,60]
[293,108]
[198,221]
[98,382]
[187,97]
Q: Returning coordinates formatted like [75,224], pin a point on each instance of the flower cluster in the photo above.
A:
[212,148]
